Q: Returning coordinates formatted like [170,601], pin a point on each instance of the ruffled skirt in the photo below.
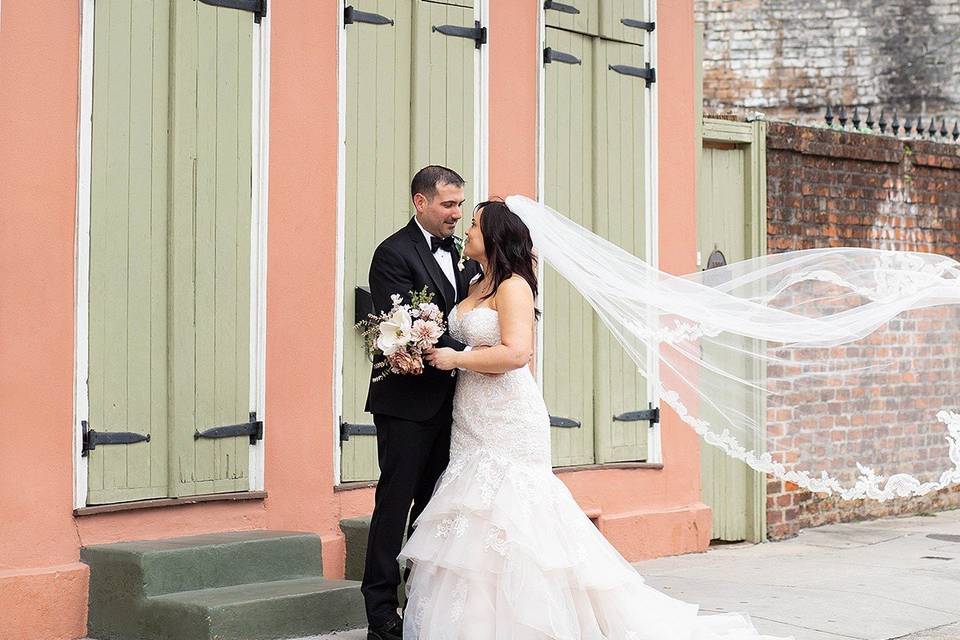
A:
[502,551]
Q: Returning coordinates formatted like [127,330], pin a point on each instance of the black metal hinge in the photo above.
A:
[91,438]
[257,7]
[552,55]
[476,33]
[550,5]
[564,423]
[651,415]
[648,73]
[253,428]
[347,429]
[351,15]
[639,24]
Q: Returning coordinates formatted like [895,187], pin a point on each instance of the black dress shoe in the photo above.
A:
[391,630]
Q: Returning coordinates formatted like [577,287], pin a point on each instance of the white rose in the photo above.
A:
[395,332]
[429,310]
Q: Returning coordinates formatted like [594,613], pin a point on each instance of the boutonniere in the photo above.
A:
[458,243]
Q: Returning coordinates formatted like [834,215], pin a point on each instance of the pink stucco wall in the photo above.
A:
[645,512]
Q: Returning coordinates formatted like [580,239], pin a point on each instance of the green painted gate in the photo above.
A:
[170,243]
[410,93]
[594,169]
[731,217]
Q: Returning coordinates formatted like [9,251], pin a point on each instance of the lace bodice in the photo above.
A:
[504,415]
[478,326]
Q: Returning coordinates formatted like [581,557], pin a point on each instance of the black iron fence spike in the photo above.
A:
[836,116]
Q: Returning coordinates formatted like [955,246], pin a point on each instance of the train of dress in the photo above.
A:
[502,551]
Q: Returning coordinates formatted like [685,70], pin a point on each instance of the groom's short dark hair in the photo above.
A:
[429,177]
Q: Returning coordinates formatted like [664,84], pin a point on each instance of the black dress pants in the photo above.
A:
[412,457]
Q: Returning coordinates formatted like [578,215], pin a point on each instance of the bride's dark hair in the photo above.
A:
[508,246]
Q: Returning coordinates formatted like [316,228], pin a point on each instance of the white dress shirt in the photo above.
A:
[443,258]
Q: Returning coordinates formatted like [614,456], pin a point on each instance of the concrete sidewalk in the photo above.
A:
[891,578]
[878,580]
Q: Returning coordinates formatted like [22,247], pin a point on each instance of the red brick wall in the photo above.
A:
[828,188]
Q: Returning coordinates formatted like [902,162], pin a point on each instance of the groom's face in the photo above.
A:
[439,215]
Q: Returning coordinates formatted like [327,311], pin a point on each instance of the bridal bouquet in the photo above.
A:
[402,334]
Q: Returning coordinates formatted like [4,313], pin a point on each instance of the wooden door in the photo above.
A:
[730,217]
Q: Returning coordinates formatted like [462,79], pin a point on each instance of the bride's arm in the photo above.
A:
[515,307]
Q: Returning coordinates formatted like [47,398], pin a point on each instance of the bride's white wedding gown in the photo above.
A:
[502,551]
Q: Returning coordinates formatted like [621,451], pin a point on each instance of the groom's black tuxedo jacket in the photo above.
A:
[401,264]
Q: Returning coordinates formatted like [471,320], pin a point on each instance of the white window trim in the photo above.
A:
[481,154]
[258,243]
[651,204]
[258,240]
[541,96]
[338,337]
[82,242]
[652,207]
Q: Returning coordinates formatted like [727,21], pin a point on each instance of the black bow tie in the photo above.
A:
[441,243]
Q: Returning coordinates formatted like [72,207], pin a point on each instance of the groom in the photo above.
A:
[412,413]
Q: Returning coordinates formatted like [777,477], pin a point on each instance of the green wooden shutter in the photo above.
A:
[377,184]
[127,381]
[443,92]
[579,16]
[619,102]
[209,245]
[410,103]
[613,14]
[568,362]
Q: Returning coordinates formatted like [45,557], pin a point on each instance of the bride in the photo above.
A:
[502,550]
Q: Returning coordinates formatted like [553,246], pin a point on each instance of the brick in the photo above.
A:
[829,189]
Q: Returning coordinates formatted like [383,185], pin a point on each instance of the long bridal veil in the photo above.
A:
[836,369]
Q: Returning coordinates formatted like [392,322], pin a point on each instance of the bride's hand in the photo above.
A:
[443,358]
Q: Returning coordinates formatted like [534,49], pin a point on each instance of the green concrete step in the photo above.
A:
[279,609]
[224,586]
[355,532]
[212,560]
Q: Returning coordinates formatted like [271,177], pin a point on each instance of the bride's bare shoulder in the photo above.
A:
[514,290]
